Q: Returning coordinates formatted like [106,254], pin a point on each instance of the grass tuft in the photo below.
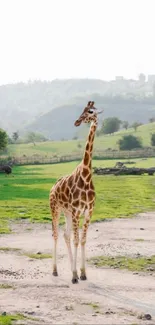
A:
[6,286]
[123,262]
[38,256]
[94,306]
[9,249]
[10,319]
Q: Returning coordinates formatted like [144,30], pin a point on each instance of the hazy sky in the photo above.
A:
[48,39]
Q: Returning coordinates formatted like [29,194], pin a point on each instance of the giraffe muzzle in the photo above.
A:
[100,112]
[77,122]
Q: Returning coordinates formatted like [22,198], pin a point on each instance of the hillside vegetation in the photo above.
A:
[52,107]
[71,147]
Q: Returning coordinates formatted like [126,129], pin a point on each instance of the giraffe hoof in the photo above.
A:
[55,273]
[75,280]
[83,277]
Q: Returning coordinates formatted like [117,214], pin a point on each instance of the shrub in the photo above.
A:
[153,139]
[129,142]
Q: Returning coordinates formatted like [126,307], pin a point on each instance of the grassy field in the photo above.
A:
[70,147]
[24,194]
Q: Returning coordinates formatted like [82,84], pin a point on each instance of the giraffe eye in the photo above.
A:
[91,111]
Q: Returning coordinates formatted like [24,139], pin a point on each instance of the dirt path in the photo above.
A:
[109,296]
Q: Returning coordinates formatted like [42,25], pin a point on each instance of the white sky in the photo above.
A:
[48,39]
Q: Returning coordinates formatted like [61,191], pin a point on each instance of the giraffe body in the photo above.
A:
[74,195]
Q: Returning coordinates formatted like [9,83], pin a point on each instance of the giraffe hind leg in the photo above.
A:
[67,237]
[83,242]
[76,219]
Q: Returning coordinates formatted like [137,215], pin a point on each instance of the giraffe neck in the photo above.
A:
[87,157]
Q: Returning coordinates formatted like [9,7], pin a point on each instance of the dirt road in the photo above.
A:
[109,296]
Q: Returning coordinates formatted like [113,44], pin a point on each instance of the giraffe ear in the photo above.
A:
[89,103]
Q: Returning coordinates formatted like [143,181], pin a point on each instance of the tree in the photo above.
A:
[98,133]
[153,140]
[125,125]
[10,141]
[135,125]
[33,137]
[152,119]
[3,139]
[79,145]
[110,125]
[129,142]
[15,136]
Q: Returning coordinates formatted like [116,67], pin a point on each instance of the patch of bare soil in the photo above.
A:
[109,296]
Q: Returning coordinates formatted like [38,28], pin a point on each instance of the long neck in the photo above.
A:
[87,157]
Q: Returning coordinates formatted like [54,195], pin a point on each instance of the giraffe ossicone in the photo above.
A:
[74,195]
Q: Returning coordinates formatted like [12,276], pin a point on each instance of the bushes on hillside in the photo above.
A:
[110,125]
[129,142]
[3,139]
[153,139]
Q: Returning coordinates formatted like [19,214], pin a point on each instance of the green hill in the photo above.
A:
[58,123]
[51,107]
[71,147]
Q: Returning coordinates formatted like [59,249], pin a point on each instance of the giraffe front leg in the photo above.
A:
[76,243]
[83,244]
[55,219]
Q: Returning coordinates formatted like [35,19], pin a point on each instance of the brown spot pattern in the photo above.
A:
[86,158]
[87,147]
[83,196]
[70,181]
[80,183]
[76,194]
[64,198]
[91,148]
[86,187]
[76,177]
[63,186]
[85,172]
[67,191]
[91,195]
[91,185]
[88,178]
[76,203]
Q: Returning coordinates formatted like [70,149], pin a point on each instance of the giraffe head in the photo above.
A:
[89,114]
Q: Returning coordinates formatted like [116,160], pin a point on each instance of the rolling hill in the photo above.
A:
[70,147]
[51,107]
[58,123]
[21,103]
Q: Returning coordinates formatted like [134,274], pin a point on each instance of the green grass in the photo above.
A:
[4,228]
[38,256]
[25,193]
[11,319]
[70,147]
[94,306]
[6,286]
[122,262]
[9,249]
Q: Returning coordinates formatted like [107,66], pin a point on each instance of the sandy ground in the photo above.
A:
[120,296]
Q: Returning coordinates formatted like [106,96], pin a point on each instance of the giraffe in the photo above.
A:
[74,195]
